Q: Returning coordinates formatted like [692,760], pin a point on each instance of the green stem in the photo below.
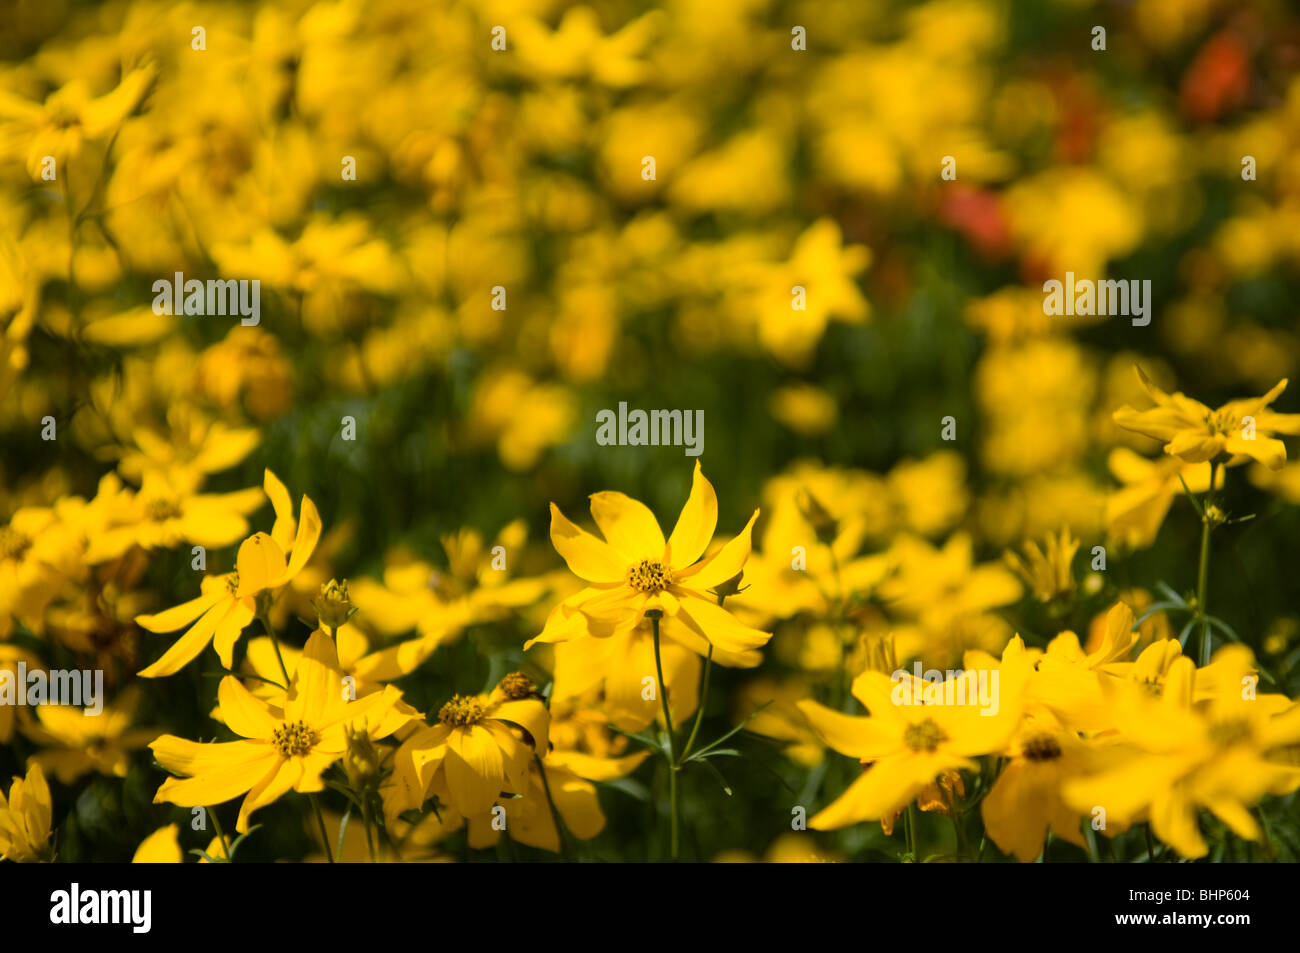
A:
[320,819]
[672,744]
[704,695]
[216,822]
[555,814]
[1203,572]
[275,644]
[912,844]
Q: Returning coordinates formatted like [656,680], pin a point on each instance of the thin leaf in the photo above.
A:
[718,774]
[343,826]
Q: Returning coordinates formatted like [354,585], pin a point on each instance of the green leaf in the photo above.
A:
[1170,594]
[343,826]
[718,774]
[234,845]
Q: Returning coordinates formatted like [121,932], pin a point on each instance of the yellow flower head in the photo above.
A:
[633,570]
[1194,433]
[25,818]
[229,602]
[286,748]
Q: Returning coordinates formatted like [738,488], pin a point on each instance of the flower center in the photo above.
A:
[294,738]
[649,575]
[232,583]
[517,685]
[13,544]
[1221,422]
[159,509]
[461,711]
[1041,748]
[924,736]
[1225,734]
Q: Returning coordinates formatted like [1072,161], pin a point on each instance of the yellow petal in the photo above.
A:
[628,526]
[588,557]
[696,523]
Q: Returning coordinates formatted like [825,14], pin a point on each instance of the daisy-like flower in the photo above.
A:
[1194,433]
[474,752]
[75,743]
[25,818]
[633,570]
[906,745]
[1026,802]
[67,119]
[1177,755]
[229,601]
[285,749]
[166,512]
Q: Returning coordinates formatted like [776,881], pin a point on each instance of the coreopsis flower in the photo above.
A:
[1177,756]
[286,747]
[27,581]
[474,752]
[440,604]
[25,817]
[190,447]
[75,742]
[1025,801]
[356,664]
[1194,433]
[582,751]
[633,570]
[1135,511]
[229,602]
[1046,570]
[67,119]
[908,746]
[166,512]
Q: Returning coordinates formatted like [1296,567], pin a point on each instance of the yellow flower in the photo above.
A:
[633,570]
[1025,802]
[286,749]
[25,819]
[68,118]
[1178,756]
[76,742]
[1048,573]
[440,604]
[356,663]
[229,601]
[1194,433]
[166,512]
[908,745]
[470,756]
[1136,510]
[27,581]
